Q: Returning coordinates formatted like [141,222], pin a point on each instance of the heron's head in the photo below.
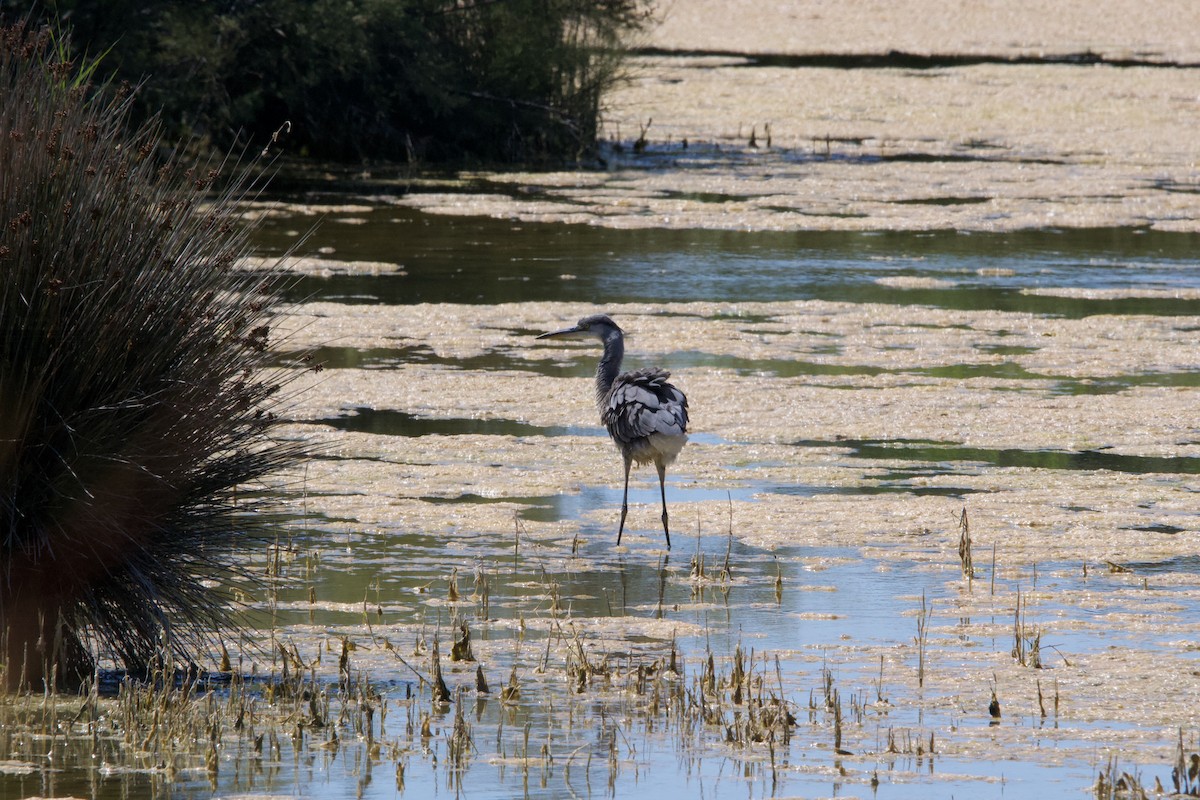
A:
[597,326]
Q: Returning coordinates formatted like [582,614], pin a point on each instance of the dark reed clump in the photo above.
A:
[132,401]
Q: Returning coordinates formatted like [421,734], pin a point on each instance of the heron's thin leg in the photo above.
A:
[625,499]
[662,488]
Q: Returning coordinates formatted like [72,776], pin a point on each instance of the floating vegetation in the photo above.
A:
[799,580]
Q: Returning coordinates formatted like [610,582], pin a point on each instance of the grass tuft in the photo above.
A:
[135,415]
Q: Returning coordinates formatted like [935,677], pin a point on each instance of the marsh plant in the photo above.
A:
[964,548]
[133,410]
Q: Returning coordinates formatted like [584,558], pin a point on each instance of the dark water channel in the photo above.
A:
[484,261]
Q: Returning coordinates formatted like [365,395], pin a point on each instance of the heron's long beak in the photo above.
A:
[564,332]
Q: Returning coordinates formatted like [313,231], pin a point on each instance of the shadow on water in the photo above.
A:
[946,452]
[399,423]
[333,357]
[900,59]
[389,422]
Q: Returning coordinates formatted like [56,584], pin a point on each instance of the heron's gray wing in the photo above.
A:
[642,403]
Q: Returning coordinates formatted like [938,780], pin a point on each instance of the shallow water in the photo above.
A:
[848,608]
[848,615]
[884,384]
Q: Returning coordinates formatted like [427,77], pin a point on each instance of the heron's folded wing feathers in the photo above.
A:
[642,403]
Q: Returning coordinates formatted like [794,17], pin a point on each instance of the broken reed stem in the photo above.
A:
[1027,648]
[922,637]
[993,576]
[1018,651]
[964,547]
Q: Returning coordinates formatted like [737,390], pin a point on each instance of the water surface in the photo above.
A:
[484,260]
[805,610]
[515,510]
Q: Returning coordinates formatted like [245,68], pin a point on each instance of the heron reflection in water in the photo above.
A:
[645,416]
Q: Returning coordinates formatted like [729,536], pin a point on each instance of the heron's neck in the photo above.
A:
[609,366]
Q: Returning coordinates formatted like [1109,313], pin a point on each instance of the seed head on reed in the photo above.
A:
[133,401]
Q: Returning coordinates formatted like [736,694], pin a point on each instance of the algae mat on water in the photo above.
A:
[887,116]
[813,631]
[863,406]
[819,506]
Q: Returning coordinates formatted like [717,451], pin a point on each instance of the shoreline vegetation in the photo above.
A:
[136,400]
[406,81]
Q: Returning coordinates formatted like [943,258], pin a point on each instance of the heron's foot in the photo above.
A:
[621,527]
[666,529]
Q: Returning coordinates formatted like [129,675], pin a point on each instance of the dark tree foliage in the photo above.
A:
[511,80]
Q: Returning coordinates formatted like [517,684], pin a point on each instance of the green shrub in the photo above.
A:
[398,79]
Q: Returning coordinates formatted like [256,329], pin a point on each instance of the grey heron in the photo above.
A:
[645,416]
